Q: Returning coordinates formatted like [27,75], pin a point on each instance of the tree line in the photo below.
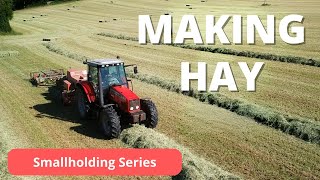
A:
[20,4]
[8,6]
[5,15]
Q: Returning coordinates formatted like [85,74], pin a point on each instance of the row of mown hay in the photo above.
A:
[258,55]
[120,36]
[53,48]
[193,167]
[8,53]
[305,129]
[249,54]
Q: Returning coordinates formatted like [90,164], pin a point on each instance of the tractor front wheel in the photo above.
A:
[151,112]
[110,123]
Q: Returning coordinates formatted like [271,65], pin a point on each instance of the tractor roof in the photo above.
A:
[102,62]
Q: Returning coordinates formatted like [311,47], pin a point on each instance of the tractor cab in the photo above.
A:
[107,73]
[109,81]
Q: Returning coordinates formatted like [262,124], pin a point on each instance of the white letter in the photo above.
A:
[111,165]
[122,163]
[200,76]
[212,29]
[253,22]
[164,24]
[299,31]
[56,163]
[36,161]
[237,29]
[153,163]
[223,67]
[194,30]
[251,76]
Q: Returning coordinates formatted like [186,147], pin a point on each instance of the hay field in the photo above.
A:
[289,88]
[235,143]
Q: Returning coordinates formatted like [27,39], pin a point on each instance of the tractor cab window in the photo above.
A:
[93,75]
[113,75]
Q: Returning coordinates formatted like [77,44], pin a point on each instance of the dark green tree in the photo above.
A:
[5,15]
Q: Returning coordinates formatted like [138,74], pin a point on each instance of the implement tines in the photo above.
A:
[46,77]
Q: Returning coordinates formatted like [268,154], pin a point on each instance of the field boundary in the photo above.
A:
[303,128]
[227,51]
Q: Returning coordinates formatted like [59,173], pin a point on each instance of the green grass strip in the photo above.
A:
[249,54]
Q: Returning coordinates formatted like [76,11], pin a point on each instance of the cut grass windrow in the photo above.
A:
[303,128]
[193,167]
[249,54]
[53,48]
[8,53]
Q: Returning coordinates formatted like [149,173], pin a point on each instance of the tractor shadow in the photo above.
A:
[57,111]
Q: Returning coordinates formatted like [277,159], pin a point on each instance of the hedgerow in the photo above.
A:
[193,167]
[19,4]
[249,54]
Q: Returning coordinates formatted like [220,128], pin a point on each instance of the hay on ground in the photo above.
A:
[193,167]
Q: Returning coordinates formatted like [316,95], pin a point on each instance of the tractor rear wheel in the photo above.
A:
[82,104]
[110,123]
[151,112]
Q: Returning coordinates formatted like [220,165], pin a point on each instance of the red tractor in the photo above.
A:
[103,93]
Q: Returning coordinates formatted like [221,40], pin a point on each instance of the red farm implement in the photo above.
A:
[46,77]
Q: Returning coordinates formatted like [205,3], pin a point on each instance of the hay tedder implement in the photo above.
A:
[101,92]
[47,77]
